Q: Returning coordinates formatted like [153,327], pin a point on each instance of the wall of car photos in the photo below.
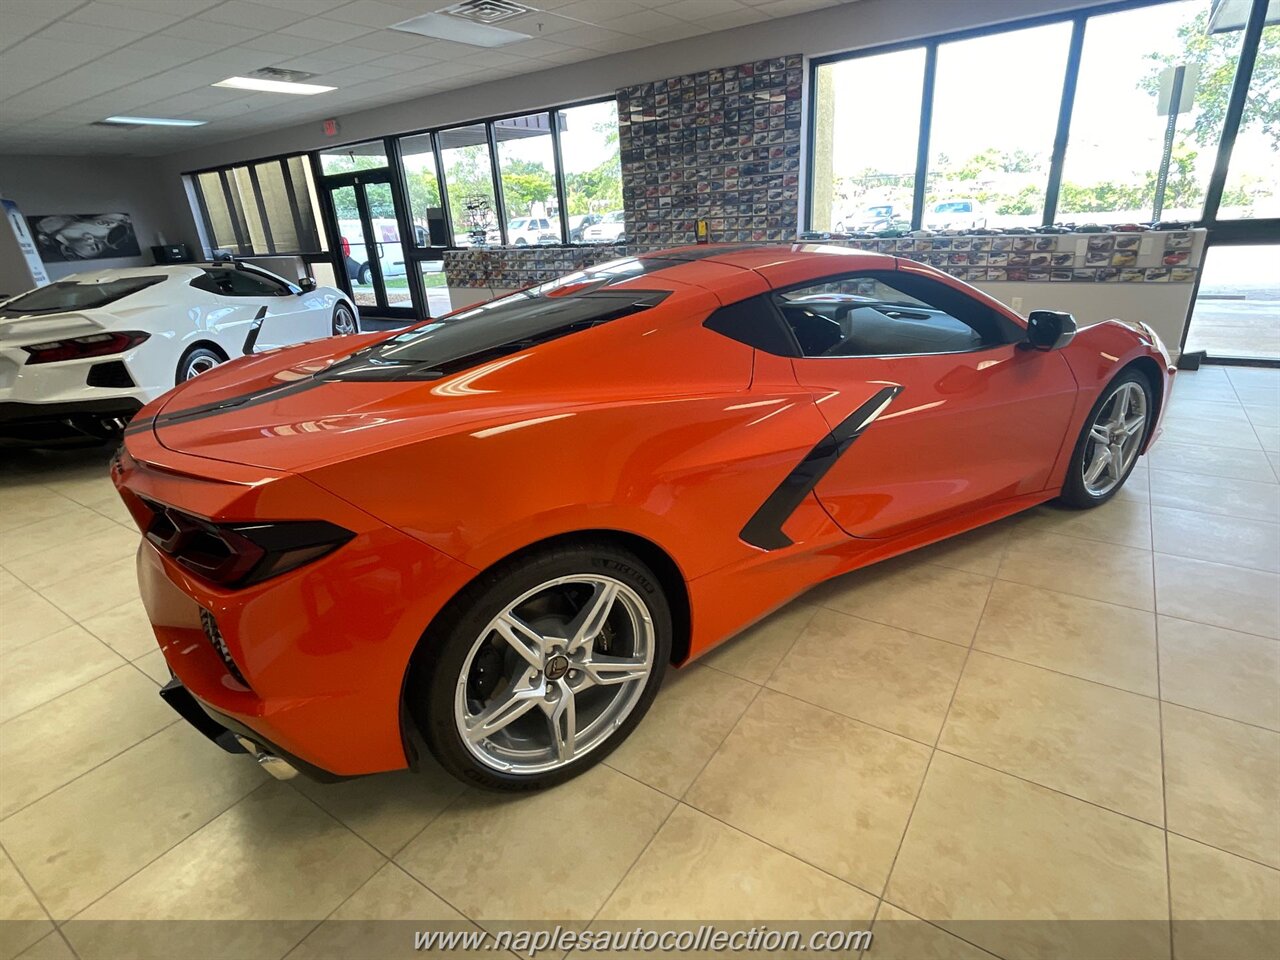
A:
[721,145]
[512,268]
[1149,256]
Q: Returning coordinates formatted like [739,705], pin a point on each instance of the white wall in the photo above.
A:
[51,185]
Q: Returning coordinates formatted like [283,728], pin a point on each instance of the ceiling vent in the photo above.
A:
[487,12]
[284,76]
[116,126]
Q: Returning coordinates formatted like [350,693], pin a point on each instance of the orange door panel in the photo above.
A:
[965,430]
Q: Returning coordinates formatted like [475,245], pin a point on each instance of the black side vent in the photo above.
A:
[110,374]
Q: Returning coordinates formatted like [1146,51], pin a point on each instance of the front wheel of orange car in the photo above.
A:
[542,666]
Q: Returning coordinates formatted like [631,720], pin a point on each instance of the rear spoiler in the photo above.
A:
[56,326]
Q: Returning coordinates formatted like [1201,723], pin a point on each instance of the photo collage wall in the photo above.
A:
[1152,256]
[722,145]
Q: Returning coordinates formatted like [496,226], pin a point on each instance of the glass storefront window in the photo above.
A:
[1117,135]
[995,114]
[865,146]
[526,165]
[592,167]
[1252,188]
[275,200]
[423,185]
[1237,308]
[358,156]
[468,179]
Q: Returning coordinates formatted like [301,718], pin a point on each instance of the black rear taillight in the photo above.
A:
[92,345]
[240,554]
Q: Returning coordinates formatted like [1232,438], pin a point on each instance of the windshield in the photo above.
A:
[76,295]
[565,306]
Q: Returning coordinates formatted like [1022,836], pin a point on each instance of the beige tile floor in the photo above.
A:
[1061,717]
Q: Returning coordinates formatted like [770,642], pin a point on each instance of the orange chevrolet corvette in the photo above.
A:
[488,536]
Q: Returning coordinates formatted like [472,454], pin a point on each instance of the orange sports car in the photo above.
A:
[489,535]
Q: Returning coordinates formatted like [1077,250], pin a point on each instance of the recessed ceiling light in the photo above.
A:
[153,122]
[273,86]
[442,27]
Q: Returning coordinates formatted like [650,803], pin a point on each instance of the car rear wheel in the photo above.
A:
[541,667]
[363,275]
[196,361]
[1110,442]
[344,320]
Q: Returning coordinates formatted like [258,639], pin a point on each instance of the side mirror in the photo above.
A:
[306,285]
[1049,329]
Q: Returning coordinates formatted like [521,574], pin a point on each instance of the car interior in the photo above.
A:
[865,316]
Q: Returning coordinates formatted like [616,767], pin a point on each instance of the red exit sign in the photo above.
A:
[331,128]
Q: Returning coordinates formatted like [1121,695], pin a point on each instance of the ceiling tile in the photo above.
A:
[702,9]
[238,13]
[211,31]
[370,13]
[124,17]
[390,41]
[324,28]
[285,45]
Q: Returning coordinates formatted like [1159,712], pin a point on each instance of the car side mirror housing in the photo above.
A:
[306,285]
[1049,329]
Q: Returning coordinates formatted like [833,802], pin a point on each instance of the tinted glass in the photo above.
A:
[221,217]
[1253,179]
[358,156]
[864,166]
[503,326]
[73,295]
[419,162]
[592,168]
[878,314]
[1117,131]
[526,163]
[468,178]
[995,161]
[237,283]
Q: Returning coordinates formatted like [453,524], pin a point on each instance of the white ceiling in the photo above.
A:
[67,63]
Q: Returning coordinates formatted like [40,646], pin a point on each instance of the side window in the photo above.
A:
[238,283]
[888,313]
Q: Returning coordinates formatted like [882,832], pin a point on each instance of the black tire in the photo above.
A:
[362,277]
[442,653]
[197,360]
[342,310]
[1074,493]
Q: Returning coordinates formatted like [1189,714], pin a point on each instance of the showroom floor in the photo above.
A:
[995,729]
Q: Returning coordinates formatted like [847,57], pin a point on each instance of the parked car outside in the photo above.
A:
[612,228]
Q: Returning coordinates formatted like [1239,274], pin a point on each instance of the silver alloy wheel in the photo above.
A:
[1115,437]
[197,365]
[563,665]
[343,320]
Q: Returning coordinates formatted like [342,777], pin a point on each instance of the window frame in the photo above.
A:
[1232,229]
[243,245]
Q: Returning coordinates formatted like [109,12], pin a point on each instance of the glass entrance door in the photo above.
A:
[374,261]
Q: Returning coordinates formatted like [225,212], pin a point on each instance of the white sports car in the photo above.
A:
[80,356]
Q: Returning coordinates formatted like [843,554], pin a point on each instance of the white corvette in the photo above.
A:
[80,356]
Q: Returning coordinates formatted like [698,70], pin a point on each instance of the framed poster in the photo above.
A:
[66,238]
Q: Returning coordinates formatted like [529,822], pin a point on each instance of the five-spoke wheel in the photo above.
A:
[1111,442]
[549,665]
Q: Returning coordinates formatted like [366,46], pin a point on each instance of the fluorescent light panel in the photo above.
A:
[155,122]
[273,86]
[441,27]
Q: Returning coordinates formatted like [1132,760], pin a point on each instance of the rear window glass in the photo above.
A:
[76,295]
[565,306]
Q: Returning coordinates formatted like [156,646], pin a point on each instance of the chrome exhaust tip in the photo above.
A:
[279,768]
